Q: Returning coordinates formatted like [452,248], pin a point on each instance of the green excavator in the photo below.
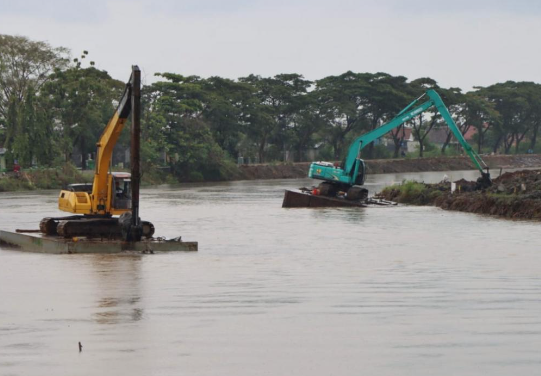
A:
[350,175]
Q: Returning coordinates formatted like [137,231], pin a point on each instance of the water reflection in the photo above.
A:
[350,215]
[118,285]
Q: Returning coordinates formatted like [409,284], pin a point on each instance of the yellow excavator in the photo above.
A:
[112,193]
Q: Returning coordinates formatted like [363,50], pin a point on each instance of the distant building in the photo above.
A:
[408,143]
[472,132]
[438,136]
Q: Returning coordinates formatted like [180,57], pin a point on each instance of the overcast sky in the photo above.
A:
[460,43]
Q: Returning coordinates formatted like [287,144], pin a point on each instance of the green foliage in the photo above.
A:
[80,103]
[177,127]
[357,103]
[412,192]
[409,192]
[198,127]
[10,185]
[43,178]
[196,176]
[381,152]
[25,66]
[21,149]
[518,105]
[276,112]
[194,150]
[326,153]
[435,152]
[225,104]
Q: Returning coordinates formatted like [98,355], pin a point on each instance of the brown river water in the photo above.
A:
[272,291]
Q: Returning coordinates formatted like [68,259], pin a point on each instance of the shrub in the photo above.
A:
[195,176]
[409,192]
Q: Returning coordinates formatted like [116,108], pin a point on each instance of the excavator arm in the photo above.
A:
[105,146]
[351,164]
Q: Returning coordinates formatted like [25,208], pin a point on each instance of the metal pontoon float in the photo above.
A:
[302,198]
[56,245]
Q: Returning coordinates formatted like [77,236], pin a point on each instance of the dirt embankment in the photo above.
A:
[384,166]
[515,195]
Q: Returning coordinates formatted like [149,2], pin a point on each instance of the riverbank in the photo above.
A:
[386,166]
[56,178]
[48,178]
[514,195]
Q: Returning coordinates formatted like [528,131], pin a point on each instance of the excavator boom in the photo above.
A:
[104,152]
[352,172]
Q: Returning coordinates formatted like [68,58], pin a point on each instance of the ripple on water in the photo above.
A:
[386,291]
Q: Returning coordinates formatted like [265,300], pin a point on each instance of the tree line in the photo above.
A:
[52,105]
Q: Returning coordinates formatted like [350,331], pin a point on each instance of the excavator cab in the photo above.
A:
[121,190]
[359,179]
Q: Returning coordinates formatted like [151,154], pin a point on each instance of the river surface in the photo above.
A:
[272,291]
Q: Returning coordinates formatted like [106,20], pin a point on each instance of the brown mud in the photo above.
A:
[385,166]
[514,195]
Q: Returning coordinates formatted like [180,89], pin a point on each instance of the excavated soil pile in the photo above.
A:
[513,195]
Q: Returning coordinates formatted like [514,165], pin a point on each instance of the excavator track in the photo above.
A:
[96,228]
[357,193]
[90,228]
[48,226]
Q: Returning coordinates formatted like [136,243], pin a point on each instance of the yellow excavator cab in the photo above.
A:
[120,196]
[78,198]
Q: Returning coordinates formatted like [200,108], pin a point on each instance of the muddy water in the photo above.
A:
[272,291]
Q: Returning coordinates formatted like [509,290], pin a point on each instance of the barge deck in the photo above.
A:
[56,245]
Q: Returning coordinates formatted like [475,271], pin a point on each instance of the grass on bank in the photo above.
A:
[411,192]
[42,178]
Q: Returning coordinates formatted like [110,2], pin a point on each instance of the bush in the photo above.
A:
[195,176]
[409,192]
[381,152]
[44,178]
[450,151]
[170,179]
[9,184]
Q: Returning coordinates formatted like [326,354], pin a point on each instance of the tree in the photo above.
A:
[532,92]
[276,101]
[24,65]
[360,102]
[25,132]
[398,136]
[225,110]
[339,100]
[479,113]
[80,102]
[384,96]
[174,123]
[305,123]
[511,100]
[420,127]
